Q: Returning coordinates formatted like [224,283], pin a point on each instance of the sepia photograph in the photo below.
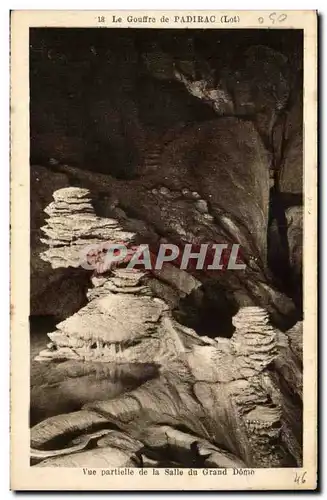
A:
[166,217]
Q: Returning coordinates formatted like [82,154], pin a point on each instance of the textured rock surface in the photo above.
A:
[177,198]
[294,217]
[252,347]
[241,168]
[189,135]
[291,180]
[73,226]
[225,376]
[53,292]
[259,87]
[291,177]
[233,158]
[295,335]
[61,387]
[108,121]
[285,251]
[121,310]
[125,323]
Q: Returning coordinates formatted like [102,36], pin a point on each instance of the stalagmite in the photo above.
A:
[225,393]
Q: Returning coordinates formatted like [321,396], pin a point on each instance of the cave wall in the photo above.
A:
[108,101]
[94,100]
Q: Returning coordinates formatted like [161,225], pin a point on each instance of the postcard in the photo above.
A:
[163,250]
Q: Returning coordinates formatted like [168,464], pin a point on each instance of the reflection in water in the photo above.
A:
[66,386]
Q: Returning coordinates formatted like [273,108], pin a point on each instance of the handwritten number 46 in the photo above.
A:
[300,478]
[274,18]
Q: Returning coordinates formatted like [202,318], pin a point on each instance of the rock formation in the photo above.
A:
[259,87]
[291,175]
[170,139]
[59,292]
[294,217]
[73,226]
[186,208]
[223,392]
[167,116]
